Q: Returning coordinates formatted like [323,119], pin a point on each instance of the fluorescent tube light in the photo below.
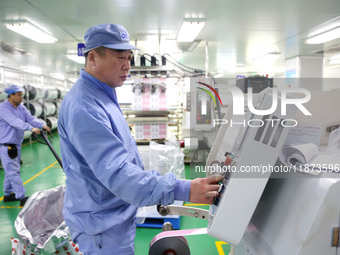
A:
[325,36]
[335,59]
[58,76]
[324,32]
[76,58]
[190,29]
[31,69]
[30,30]
[269,55]
[73,79]
[334,62]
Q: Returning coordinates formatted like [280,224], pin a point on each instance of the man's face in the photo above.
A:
[16,98]
[113,68]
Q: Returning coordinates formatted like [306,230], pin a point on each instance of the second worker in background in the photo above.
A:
[15,119]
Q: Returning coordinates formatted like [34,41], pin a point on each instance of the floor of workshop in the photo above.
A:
[40,171]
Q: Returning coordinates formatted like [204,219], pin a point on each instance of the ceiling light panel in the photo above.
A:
[325,32]
[324,37]
[76,58]
[30,30]
[190,29]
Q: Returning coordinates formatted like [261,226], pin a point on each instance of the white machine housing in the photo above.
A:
[254,146]
[296,215]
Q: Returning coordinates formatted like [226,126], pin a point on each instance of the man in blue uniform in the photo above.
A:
[106,181]
[15,119]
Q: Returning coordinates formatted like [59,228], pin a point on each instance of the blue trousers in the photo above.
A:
[12,180]
[115,241]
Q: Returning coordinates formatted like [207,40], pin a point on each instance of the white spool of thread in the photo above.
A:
[52,122]
[34,93]
[35,108]
[49,108]
[51,94]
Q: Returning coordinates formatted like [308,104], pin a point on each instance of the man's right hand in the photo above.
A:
[203,190]
[36,130]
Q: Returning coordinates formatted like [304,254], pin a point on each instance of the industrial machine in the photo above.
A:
[257,83]
[263,207]
[254,148]
[150,108]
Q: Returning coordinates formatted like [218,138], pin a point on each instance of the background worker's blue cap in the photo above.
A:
[13,89]
[112,36]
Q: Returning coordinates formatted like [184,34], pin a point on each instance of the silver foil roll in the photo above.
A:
[40,223]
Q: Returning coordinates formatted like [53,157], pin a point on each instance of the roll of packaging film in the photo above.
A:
[51,94]
[34,93]
[52,122]
[3,95]
[173,242]
[35,108]
[49,108]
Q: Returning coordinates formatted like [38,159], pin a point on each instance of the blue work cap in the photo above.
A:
[13,89]
[112,36]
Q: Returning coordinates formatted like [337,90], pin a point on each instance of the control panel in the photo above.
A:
[255,147]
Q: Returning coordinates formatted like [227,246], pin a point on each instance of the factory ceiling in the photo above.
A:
[236,35]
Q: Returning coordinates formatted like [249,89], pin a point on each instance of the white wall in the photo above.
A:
[332,78]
